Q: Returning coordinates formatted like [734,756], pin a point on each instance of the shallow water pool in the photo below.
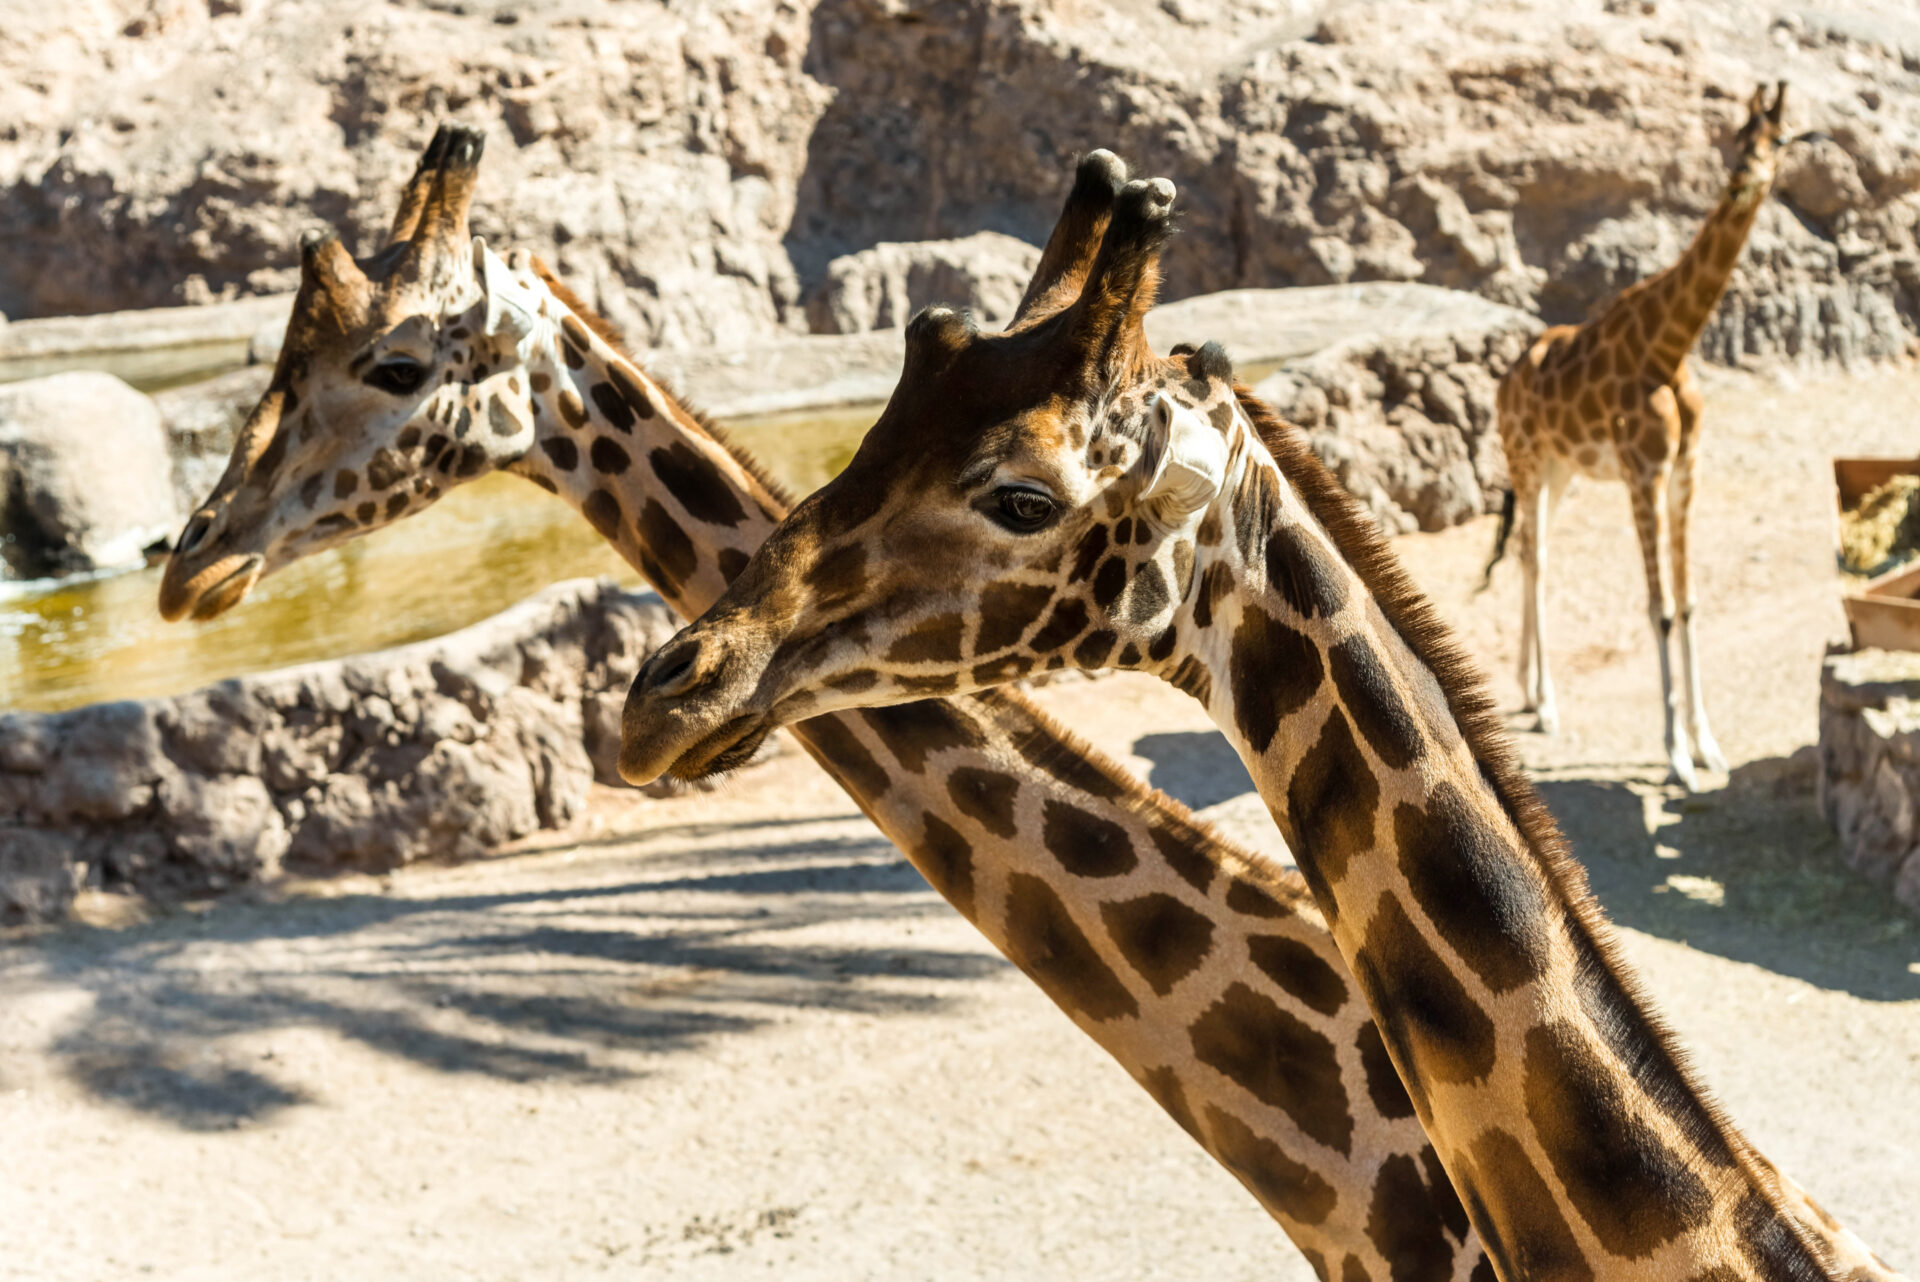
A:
[483,547]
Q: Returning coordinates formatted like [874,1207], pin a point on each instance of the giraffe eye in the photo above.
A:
[1022,510]
[402,376]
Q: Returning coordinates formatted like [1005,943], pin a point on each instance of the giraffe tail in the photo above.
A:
[1499,539]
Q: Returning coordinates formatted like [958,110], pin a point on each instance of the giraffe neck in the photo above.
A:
[1569,1124]
[1203,969]
[1675,305]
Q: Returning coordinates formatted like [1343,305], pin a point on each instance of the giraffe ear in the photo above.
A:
[511,308]
[1188,459]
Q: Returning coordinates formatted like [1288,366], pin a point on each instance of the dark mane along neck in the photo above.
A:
[1608,993]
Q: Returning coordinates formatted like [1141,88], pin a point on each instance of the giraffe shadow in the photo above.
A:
[575,972]
[1198,768]
[1751,872]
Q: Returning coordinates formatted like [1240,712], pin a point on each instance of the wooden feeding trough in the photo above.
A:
[1884,612]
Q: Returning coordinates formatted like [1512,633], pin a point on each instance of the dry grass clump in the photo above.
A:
[1883,530]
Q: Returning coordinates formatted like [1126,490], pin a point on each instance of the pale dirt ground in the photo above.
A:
[734,1034]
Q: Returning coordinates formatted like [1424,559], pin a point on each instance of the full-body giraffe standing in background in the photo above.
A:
[1143,519]
[433,362]
[1614,399]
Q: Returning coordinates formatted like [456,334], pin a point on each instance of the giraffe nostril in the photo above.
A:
[672,669]
[196,531]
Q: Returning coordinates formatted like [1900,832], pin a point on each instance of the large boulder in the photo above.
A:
[1404,413]
[203,420]
[882,287]
[85,478]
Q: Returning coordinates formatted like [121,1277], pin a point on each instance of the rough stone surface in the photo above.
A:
[698,166]
[882,287]
[149,347]
[1406,418]
[442,749]
[85,480]
[203,420]
[1870,764]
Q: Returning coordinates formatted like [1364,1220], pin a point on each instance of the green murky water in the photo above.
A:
[479,550]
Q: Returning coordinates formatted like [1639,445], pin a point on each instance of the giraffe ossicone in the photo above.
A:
[995,522]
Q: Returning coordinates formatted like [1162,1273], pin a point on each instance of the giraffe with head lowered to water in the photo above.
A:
[1058,495]
[1614,399]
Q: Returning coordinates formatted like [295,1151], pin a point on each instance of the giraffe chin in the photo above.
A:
[213,591]
[725,749]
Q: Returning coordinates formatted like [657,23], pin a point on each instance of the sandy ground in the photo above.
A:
[735,1035]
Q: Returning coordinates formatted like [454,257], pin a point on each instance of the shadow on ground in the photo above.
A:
[1750,871]
[1197,767]
[584,976]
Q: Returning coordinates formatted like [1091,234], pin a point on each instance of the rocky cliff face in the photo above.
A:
[699,166]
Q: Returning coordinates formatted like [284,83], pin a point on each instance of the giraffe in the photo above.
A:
[1148,513]
[1614,399]
[433,362]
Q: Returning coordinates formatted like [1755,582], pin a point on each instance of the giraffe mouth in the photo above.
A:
[726,749]
[213,591]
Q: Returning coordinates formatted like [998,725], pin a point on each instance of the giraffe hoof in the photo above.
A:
[1707,755]
[1681,772]
[1549,722]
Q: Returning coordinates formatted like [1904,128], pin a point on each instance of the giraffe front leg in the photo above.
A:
[1706,750]
[1534,509]
[1648,491]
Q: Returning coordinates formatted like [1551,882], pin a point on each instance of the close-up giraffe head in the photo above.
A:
[1759,141]
[1028,500]
[397,378]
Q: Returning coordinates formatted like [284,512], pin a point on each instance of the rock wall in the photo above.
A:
[1406,421]
[1870,764]
[698,165]
[437,750]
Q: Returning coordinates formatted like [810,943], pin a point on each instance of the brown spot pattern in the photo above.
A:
[1433,1024]
[947,861]
[915,731]
[1044,941]
[1282,1184]
[1086,844]
[1475,888]
[696,486]
[1163,939]
[1274,671]
[1404,1224]
[985,796]
[935,640]
[1299,971]
[1278,1059]
[667,546]
[1330,801]
[1007,610]
[1524,1232]
[1633,1191]
[1366,689]
[1384,1087]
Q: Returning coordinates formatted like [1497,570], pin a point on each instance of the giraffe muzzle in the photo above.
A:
[684,715]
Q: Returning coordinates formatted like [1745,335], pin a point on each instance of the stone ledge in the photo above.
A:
[1870,764]
[441,749]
